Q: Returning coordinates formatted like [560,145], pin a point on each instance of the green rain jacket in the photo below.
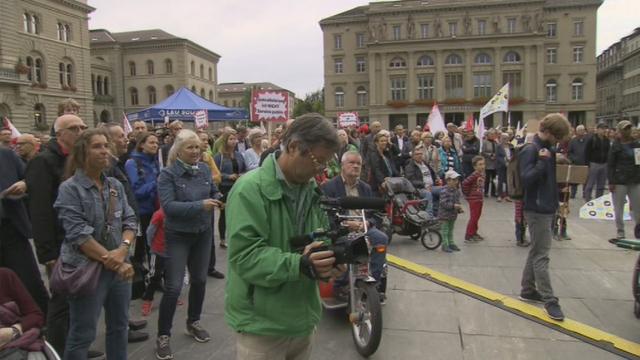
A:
[265,293]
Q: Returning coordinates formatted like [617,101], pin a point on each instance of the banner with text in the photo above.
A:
[201,119]
[269,105]
[346,119]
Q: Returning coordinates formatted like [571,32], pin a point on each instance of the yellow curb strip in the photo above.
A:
[569,325]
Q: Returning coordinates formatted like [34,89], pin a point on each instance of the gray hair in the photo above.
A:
[349,153]
[178,143]
[310,130]
[580,127]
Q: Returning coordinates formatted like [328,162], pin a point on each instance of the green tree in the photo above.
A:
[313,102]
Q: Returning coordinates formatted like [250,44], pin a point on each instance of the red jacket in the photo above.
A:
[473,187]
[155,233]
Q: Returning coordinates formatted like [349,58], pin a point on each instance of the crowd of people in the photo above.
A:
[145,203]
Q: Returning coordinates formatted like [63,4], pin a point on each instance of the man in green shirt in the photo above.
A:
[272,298]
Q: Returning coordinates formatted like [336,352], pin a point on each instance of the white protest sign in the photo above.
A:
[270,105]
[201,119]
[346,119]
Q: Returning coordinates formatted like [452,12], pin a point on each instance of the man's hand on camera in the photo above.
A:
[353,225]
[318,264]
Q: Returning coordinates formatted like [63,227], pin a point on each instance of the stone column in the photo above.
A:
[497,72]
[439,76]
[468,75]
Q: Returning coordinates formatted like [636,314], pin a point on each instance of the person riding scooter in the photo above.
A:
[349,184]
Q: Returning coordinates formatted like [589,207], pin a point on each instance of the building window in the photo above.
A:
[514,78]
[577,90]
[38,71]
[210,74]
[425,87]
[338,66]
[552,56]
[398,88]
[424,31]
[361,64]
[193,68]
[132,68]
[69,74]
[425,60]
[361,96]
[64,32]
[202,93]
[453,29]
[453,59]
[133,93]
[578,28]
[106,86]
[93,83]
[397,32]
[169,90]
[193,89]
[453,85]
[482,27]
[578,54]
[552,30]
[234,103]
[337,41]
[201,71]
[483,58]
[168,66]
[210,95]
[151,91]
[26,22]
[552,91]
[397,62]
[30,66]
[512,57]
[360,40]
[60,31]
[31,23]
[482,85]
[61,77]
[150,67]
[339,97]
[511,25]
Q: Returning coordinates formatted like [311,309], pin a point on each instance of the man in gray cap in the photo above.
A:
[596,151]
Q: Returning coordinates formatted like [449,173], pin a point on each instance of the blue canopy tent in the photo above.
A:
[183,105]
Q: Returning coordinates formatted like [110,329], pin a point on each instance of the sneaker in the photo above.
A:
[478,237]
[446,249]
[454,247]
[223,243]
[508,199]
[557,237]
[197,332]
[163,348]
[499,200]
[471,239]
[383,298]
[216,274]
[620,235]
[533,297]
[565,237]
[554,311]
[146,307]
[523,243]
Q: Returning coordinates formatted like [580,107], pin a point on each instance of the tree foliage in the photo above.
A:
[312,103]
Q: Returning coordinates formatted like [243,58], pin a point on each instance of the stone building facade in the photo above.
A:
[618,85]
[390,61]
[44,59]
[131,71]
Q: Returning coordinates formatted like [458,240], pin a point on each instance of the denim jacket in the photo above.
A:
[181,194]
[82,212]
[226,168]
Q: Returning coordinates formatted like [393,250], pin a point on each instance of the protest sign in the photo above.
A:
[346,119]
[201,119]
[270,105]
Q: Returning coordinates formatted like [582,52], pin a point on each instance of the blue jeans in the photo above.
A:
[113,294]
[193,251]
[432,197]
[377,260]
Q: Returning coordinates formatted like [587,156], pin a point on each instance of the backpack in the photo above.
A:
[515,188]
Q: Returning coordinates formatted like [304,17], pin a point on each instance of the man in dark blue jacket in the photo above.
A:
[537,164]
[15,228]
[349,184]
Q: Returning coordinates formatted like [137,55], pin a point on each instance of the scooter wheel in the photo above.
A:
[366,326]
[431,239]
[415,236]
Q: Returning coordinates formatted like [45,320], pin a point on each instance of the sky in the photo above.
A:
[278,41]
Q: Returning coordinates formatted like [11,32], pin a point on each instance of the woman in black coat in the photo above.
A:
[380,163]
[470,148]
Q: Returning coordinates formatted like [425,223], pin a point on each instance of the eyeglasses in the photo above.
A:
[317,163]
[77,128]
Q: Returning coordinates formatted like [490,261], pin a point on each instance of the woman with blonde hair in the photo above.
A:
[188,197]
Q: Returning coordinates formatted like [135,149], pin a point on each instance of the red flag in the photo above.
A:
[469,124]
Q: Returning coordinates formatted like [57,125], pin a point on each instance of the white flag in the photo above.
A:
[8,125]
[499,102]
[480,131]
[435,120]
[126,125]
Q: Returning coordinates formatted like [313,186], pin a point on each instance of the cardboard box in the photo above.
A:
[572,174]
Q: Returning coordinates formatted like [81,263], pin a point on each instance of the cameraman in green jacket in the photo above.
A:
[271,298]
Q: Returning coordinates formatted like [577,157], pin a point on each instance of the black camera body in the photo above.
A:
[348,250]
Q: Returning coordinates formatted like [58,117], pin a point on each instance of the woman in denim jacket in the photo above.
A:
[231,164]
[99,226]
[188,197]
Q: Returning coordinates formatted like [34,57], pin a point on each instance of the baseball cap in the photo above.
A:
[624,124]
[451,174]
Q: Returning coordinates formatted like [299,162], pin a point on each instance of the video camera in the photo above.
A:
[348,248]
